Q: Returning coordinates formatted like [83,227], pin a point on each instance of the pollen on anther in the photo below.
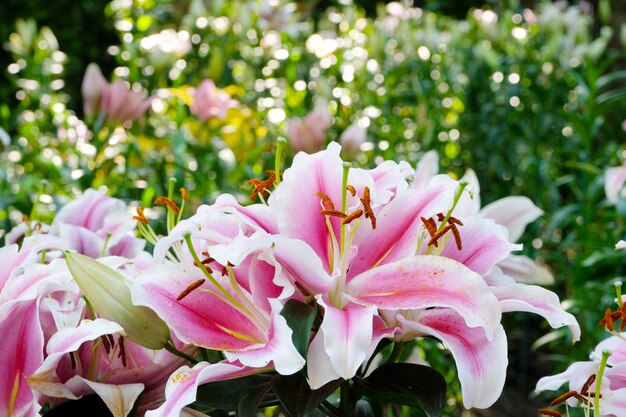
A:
[140,217]
[548,412]
[561,398]
[162,200]
[183,193]
[122,353]
[369,213]
[194,285]
[352,190]
[607,320]
[334,213]
[328,203]
[354,215]
[587,384]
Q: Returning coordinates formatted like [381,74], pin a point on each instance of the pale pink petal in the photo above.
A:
[426,169]
[320,369]
[119,399]
[621,244]
[471,205]
[614,179]
[21,345]
[279,348]
[89,211]
[576,374]
[182,386]
[524,270]
[613,403]
[538,300]
[398,224]
[298,208]
[429,281]
[347,336]
[481,363]
[484,244]
[200,318]
[302,264]
[514,213]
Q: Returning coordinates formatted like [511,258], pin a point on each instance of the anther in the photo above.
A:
[106,344]
[183,193]
[334,213]
[561,398]
[457,236]
[369,214]
[140,217]
[328,203]
[162,200]
[433,240]
[430,225]
[262,186]
[122,354]
[587,384]
[352,190]
[194,285]
[607,320]
[354,215]
[548,412]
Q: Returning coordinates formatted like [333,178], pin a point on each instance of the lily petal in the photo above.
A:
[429,281]
[481,363]
[21,345]
[526,271]
[182,386]
[538,300]
[514,212]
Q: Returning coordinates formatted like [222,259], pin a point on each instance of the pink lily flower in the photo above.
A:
[120,104]
[309,134]
[91,88]
[354,280]
[612,401]
[207,102]
[97,225]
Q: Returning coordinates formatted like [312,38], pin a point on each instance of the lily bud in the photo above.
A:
[93,84]
[351,139]
[109,295]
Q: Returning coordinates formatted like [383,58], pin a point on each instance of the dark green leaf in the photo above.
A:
[300,318]
[228,394]
[90,405]
[252,400]
[407,384]
[296,396]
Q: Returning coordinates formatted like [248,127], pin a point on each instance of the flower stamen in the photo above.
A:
[162,200]
[366,201]
[140,217]
[352,216]
[122,354]
[194,285]
[262,187]
[548,412]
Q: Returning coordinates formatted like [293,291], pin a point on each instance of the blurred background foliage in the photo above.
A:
[531,95]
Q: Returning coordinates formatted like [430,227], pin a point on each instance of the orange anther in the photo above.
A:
[190,288]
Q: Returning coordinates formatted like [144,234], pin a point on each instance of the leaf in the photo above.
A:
[296,396]
[228,394]
[300,318]
[407,384]
[252,400]
[91,405]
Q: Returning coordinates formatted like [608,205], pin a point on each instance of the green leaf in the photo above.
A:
[228,394]
[252,400]
[296,396]
[407,384]
[300,318]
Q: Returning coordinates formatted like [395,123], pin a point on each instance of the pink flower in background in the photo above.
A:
[120,104]
[614,179]
[92,88]
[208,102]
[309,134]
[351,139]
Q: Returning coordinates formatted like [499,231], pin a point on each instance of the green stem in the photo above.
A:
[172,349]
[344,204]
[346,407]
[280,144]
[171,219]
[329,409]
[395,352]
[596,399]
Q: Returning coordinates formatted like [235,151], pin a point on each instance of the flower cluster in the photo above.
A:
[598,384]
[300,291]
